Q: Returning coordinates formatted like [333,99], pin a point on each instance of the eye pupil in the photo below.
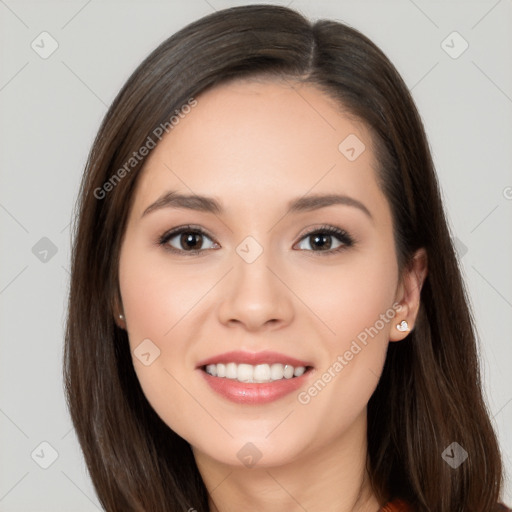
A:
[322,241]
[190,240]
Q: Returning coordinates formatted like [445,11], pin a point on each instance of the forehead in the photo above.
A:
[276,138]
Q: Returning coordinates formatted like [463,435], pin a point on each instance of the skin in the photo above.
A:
[254,146]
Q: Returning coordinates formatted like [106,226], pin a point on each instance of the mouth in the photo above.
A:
[255,374]
[254,378]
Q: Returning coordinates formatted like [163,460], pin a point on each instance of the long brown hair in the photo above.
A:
[429,394]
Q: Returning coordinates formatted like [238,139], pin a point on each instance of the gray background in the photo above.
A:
[51,109]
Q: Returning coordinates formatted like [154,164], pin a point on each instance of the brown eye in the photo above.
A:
[191,240]
[327,239]
[186,240]
[320,241]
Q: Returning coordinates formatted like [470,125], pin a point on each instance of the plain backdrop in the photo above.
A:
[51,107]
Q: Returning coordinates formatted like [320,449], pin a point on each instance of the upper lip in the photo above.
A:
[253,358]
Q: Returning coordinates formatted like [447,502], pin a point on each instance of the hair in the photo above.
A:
[430,391]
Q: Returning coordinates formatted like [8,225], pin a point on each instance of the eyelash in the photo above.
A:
[346,240]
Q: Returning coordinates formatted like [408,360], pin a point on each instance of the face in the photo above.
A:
[261,281]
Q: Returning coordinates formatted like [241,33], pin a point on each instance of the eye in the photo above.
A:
[326,239]
[186,239]
[191,240]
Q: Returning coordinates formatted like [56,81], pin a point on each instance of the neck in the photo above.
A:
[331,479]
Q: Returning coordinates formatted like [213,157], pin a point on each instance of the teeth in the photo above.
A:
[231,371]
[299,371]
[288,372]
[212,369]
[276,371]
[261,373]
[244,372]
[258,373]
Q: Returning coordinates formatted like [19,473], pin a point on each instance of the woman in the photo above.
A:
[214,359]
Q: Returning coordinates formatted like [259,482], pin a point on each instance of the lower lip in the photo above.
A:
[254,393]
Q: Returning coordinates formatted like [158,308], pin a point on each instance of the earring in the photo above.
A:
[121,317]
[403,326]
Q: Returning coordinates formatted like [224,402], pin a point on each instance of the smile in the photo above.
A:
[261,373]
[254,378]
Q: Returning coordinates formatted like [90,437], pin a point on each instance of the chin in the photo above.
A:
[251,452]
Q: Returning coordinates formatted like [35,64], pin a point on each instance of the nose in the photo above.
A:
[255,296]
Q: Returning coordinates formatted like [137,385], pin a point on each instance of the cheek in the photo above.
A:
[350,297]
[157,295]
[354,302]
[157,298]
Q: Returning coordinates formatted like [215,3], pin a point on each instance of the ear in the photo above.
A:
[408,294]
[117,311]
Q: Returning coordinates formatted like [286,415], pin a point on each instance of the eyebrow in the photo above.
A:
[206,204]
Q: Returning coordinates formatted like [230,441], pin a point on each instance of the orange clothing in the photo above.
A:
[396,506]
[401,506]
